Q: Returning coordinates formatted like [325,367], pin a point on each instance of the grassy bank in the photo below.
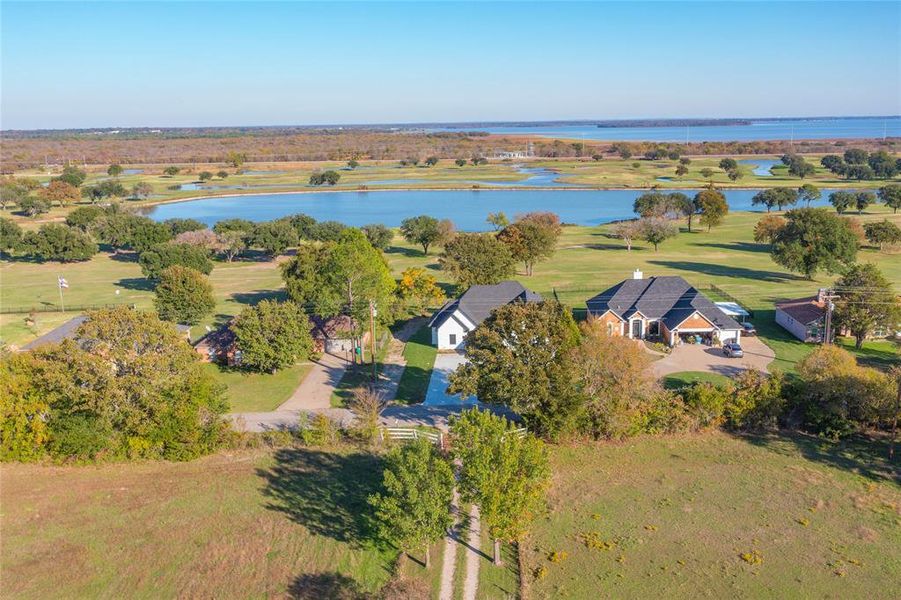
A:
[247,524]
[259,392]
[720,516]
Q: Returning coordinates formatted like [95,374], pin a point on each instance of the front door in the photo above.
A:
[636,329]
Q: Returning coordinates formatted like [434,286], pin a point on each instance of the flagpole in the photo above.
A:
[59,285]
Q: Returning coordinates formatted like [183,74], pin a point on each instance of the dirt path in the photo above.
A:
[473,559]
[450,553]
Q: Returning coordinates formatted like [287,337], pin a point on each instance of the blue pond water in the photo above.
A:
[758,130]
[132,171]
[467,209]
[761,166]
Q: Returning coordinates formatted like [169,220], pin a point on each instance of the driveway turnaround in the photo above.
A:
[698,357]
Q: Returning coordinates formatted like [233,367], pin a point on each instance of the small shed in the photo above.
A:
[332,334]
[218,346]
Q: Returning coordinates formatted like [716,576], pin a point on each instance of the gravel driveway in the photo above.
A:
[706,358]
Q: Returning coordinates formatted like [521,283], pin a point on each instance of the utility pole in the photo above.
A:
[828,298]
[372,313]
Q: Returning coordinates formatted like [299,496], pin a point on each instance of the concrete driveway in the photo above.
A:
[706,358]
[436,395]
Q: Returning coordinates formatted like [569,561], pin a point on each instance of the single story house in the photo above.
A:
[333,334]
[667,308]
[67,331]
[461,315]
[804,318]
[218,346]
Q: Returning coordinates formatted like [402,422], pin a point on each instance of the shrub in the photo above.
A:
[706,402]
[319,431]
[755,400]
[79,436]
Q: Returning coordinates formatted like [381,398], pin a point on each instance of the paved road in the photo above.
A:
[692,357]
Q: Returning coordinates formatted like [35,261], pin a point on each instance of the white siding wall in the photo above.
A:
[441,335]
[797,329]
[729,334]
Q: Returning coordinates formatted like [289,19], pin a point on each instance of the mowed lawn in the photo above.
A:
[672,517]
[248,524]
[259,392]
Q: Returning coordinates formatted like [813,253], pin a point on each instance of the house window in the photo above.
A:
[609,328]
[453,339]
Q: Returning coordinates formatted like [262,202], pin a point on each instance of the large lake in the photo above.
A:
[467,209]
[758,130]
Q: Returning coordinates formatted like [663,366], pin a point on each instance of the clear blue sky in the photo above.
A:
[254,63]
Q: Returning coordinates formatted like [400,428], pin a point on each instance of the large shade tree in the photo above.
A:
[866,301]
[272,335]
[477,259]
[812,240]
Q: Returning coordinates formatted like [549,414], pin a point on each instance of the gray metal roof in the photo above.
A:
[478,301]
[669,299]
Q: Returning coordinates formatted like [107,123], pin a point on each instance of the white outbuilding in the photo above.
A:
[461,315]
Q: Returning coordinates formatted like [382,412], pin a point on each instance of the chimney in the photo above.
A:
[637,274]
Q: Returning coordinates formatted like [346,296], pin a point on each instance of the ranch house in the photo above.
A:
[461,315]
[668,309]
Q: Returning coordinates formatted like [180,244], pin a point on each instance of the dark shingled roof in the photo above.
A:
[669,299]
[63,332]
[67,330]
[477,302]
[803,310]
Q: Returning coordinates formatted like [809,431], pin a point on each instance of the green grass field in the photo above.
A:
[679,380]
[420,356]
[259,392]
[672,517]
[248,524]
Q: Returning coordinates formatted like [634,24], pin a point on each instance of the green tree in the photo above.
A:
[880,233]
[236,159]
[114,170]
[205,176]
[656,230]
[145,234]
[222,174]
[59,243]
[728,164]
[233,244]
[327,231]
[325,178]
[179,226]
[341,277]
[809,193]
[32,206]
[681,170]
[814,239]
[866,301]
[304,225]
[712,206]
[171,171]
[532,238]
[353,164]
[242,225]
[460,162]
[842,201]
[272,335]
[614,376]
[273,237]
[505,473]
[856,156]
[650,204]
[378,235]
[84,216]
[10,235]
[863,199]
[23,406]
[104,189]
[517,357]
[707,172]
[183,295]
[775,198]
[884,165]
[412,508]
[72,175]
[890,195]
[129,387]
[141,190]
[162,256]
[422,230]
[431,161]
[497,220]
[477,259]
